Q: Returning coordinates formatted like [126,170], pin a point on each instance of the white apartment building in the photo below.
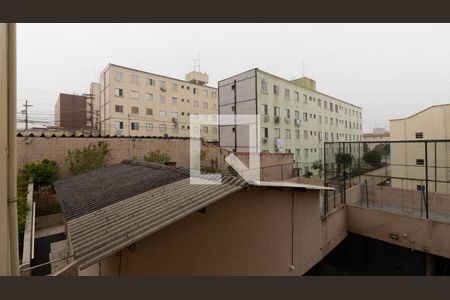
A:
[139,103]
[294,117]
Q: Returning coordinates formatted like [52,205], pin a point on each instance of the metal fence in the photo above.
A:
[409,177]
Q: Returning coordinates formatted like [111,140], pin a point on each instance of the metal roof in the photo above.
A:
[98,234]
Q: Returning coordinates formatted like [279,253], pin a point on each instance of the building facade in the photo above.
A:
[139,103]
[414,161]
[293,116]
[71,112]
[378,134]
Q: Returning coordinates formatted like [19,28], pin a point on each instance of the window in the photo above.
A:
[319,103]
[420,162]
[135,110]
[149,111]
[265,109]
[306,155]
[118,92]
[134,95]
[214,130]
[162,99]
[287,93]
[205,93]
[174,100]
[151,82]
[148,97]
[277,133]
[194,90]
[297,154]
[119,108]
[265,132]
[134,125]
[118,124]
[325,104]
[305,116]
[419,135]
[214,94]
[336,109]
[205,129]
[162,113]
[162,127]
[288,113]
[297,115]
[276,89]
[305,134]
[331,121]
[118,76]
[326,120]
[205,104]
[331,106]
[263,86]
[305,99]
[134,79]
[297,134]
[276,111]
[174,87]
[195,103]
[288,133]
[320,119]
[297,96]
[162,85]
[149,126]
[214,106]
[175,115]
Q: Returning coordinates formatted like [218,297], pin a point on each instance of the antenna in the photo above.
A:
[196,64]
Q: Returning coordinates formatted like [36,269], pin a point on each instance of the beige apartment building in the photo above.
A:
[139,103]
[417,160]
[377,135]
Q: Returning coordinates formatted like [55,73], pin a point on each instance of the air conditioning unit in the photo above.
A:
[264,140]
[266,118]
[297,122]
[277,119]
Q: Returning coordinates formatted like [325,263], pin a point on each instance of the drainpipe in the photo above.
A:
[12,200]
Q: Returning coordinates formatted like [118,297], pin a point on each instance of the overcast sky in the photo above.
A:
[391,70]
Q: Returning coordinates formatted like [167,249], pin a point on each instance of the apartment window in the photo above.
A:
[162,85]
[287,94]
[305,99]
[205,93]
[277,133]
[319,103]
[149,111]
[331,121]
[288,133]
[118,76]
[134,125]
[320,119]
[265,132]
[205,129]
[151,82]
[149,126]
[319,136]
[336,108]
[276,89]
[331,106]
[214,106]
[420,162]
[174,86]
[337,122]
[162,113]
[134,79]
[118,92]
[305,134]
[135,110]
[305,116]
[419,135]
[264,86]
[325,105]
[332,136]
[288,113]
[162,127]
[326,136]
[205,104]
[213,94]
[148,97]
[297,96]
[118,125]
[214,130]
[297,134]
[297,154]
[306,155]
[174,100]
[134,95]
[195,103]
[119,108]
[162,99]
[297,115]
[265,109]
[276,111]
[175,115]
[326,120]
[194,90]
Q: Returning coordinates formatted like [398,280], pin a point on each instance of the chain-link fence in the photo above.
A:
[411,177]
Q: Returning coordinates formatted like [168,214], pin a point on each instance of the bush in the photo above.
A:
[344,158]
[89,158]
[22,205]
[157,157]
[308,174]
[44,173]
[373,158]
[317,165]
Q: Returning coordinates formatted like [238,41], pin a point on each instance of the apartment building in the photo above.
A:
[293,116]
[71,112]
[377,134]
[139,103]
[426,154]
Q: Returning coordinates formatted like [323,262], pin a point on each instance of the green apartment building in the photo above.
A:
[293,116]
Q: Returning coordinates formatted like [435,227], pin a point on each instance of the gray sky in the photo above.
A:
[391,70]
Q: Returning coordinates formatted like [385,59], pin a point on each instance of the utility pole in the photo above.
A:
[26,105]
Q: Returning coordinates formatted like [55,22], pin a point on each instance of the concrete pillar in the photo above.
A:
[429,264]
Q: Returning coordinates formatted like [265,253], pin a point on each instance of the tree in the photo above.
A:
[89,158]
[317,165]
[373,158]
[44,173]
[157,157]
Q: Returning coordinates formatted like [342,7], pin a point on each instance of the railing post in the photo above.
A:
[426,179]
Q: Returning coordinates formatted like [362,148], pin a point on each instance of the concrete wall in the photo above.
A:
[411,232]
[31,149]
[258,231]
